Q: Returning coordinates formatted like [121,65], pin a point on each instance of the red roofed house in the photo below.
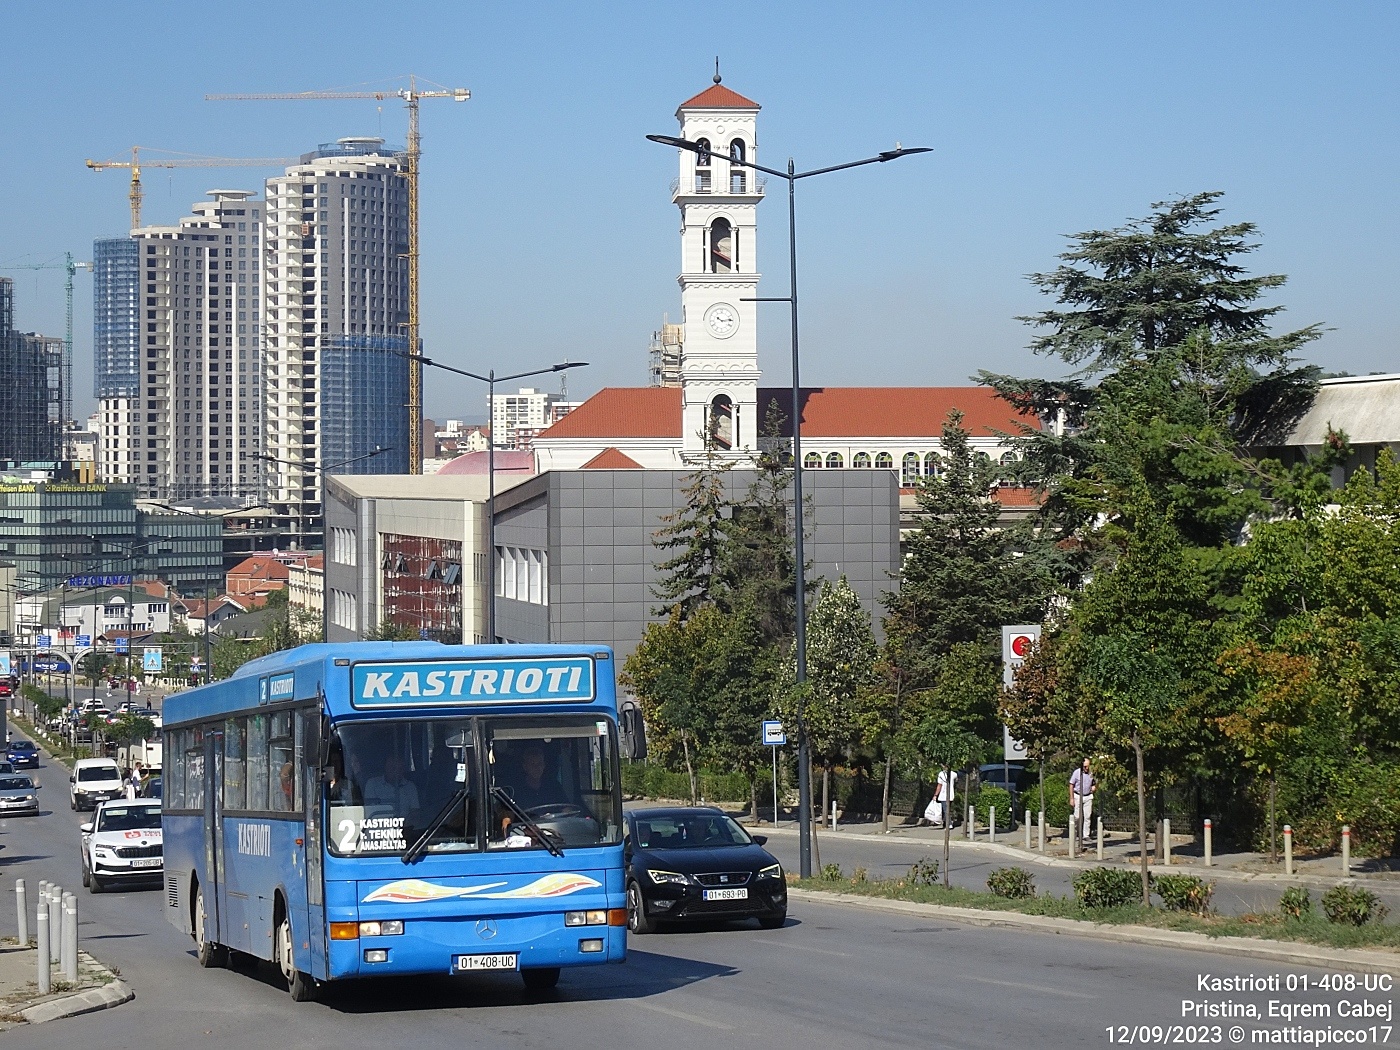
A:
[719,400]
[260,574]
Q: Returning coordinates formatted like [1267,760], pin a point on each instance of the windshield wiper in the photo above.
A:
[544,837]
[421,842]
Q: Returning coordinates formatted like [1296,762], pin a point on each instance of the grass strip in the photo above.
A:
[1313,929]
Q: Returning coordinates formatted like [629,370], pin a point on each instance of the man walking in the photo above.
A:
[1081,800]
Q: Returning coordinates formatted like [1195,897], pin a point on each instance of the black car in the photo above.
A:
[23,753]
[696,864]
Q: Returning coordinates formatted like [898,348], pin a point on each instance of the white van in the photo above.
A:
[94,780]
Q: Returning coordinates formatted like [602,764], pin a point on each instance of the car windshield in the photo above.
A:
[16,784]
[689,831]
[128,818]
[98,773]
[388,781]
[559,773]
[22,745]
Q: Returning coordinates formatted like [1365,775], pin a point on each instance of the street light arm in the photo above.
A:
[561,367]
[421,359]
[887,155]
[695,147]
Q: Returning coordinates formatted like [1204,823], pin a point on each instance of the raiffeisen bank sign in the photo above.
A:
[528,680]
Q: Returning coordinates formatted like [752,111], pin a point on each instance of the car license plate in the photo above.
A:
[498,961]
[153,862]
[727,895]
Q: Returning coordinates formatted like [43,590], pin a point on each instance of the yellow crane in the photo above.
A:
[410,95]
[136,163]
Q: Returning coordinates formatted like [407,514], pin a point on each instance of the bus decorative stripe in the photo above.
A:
[415,891]
[567,679]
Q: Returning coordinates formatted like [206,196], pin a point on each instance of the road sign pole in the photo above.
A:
[775,787]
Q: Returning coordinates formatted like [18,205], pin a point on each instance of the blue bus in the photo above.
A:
[376,808]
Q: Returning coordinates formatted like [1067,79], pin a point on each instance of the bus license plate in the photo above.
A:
[154,862]
[727,895]
[498,961]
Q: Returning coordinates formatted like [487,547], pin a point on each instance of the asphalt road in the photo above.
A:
[835,976]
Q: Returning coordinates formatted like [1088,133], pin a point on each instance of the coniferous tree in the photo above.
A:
[694,539]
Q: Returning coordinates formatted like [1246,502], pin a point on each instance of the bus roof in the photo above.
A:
[306,669]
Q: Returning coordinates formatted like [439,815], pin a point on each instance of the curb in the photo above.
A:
[1228,874]
[1298,953]
[104,998]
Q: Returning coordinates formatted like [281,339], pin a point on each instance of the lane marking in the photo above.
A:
[1029,987]
[685,1016]
[802,948]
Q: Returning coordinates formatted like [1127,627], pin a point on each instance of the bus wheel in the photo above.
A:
[540,980]
[301,985]
[209,954]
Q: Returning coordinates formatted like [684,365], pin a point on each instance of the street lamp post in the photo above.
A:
[325,536]
[791,175]
[491,379]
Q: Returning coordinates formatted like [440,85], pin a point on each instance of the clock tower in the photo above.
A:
[719,203]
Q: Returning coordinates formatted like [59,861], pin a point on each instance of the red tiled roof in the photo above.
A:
[612,459]
[1011,496]
[623,412]
[893,411]
[262,567]
[508,461]
[719,97]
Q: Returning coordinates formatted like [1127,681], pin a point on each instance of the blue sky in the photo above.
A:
[547,226]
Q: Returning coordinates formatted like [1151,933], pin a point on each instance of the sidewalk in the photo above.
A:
[98,988]
[1119,848]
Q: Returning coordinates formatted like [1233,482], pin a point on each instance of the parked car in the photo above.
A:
[93,781]
[22,754]
[18,796]
[151,788]
[123,843]
[696,863]
[1016,777]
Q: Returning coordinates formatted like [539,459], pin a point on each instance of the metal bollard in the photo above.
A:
[1042,831]
[991,823]
[1288,849]
[971,822]
[1028,829]
[1166,840]
[1346,851]
[42,955]
[1208,830]
[55,919]
[1100,831]
[1073,835]
[22,905]
[69,947]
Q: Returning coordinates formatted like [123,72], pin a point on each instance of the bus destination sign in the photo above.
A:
[567,679]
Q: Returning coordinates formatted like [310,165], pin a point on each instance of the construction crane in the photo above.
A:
[70,268]
[410,95]
[183,161]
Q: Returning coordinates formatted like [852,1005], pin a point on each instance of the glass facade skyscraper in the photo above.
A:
[31,389]
[364,392]
[116,322]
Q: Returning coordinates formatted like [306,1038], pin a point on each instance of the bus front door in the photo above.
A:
[310,733]
[213,887]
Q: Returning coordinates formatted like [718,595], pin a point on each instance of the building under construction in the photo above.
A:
[667,347]
[31,394]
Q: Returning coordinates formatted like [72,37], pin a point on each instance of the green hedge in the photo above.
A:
[645,780]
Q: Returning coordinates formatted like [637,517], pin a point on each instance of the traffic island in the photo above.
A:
[97,988]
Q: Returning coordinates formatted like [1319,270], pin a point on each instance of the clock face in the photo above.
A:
[722,320]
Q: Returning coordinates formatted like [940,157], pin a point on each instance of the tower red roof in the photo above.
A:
[719,97]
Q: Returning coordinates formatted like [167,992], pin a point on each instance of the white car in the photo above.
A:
[123,844]
[92,781]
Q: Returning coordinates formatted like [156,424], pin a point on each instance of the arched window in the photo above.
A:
[932,465]
[1007,458]
[910,473]
[812,461]
[721,246]
[702,158]
[721,426]
[884,461]
[835,461]
[738,176]
[702,166]
[861,460]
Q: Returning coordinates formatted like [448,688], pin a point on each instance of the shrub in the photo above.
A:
[1184,892]
[1352,906]
[1057,809]
[924,872]
[831,872]
[859,876]
[989,797]
[1296,902]
[1107,887]
[1015,883]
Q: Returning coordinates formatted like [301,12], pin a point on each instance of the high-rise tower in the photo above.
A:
[719,254]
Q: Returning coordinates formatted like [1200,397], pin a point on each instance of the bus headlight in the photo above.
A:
[385,928]
[585,918]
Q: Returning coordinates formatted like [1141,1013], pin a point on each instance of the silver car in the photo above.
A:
[18,795]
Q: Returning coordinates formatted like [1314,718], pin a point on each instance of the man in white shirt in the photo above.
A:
[1081,799]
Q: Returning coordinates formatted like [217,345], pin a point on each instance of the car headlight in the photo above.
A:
[773,871]
[103,851]
[28,798]
[661,877]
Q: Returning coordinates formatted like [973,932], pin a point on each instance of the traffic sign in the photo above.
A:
[84,640]
[122,645]
[4,663]
[773,734]
[151,659]
[45,641]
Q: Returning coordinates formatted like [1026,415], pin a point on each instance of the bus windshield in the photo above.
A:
[390,780]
